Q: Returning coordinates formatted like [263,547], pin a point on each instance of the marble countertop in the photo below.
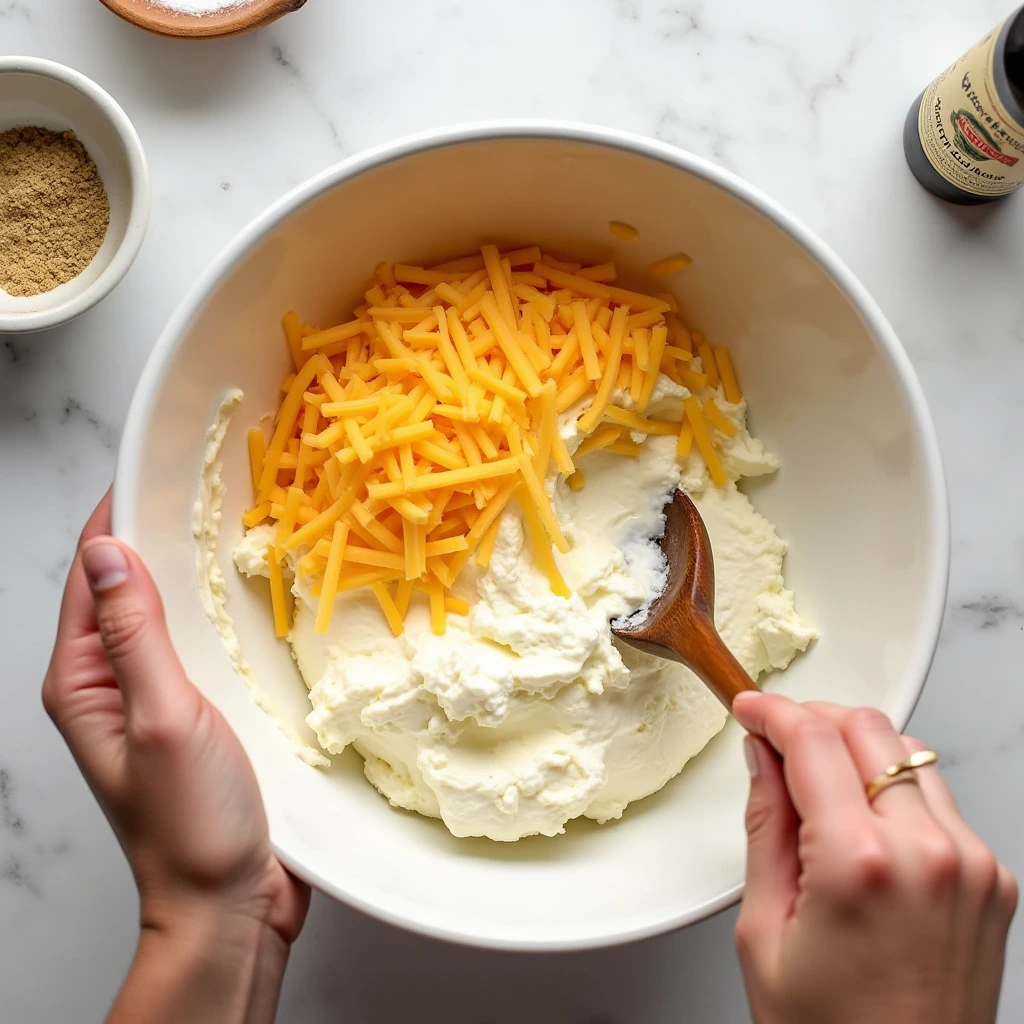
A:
[804,99]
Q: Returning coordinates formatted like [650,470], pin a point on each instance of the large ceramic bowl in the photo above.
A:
[860,496]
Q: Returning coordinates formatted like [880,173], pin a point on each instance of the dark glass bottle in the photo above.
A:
[964,135]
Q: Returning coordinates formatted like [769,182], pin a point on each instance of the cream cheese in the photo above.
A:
[526,713]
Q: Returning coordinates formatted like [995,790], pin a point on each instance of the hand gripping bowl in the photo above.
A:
[860,497]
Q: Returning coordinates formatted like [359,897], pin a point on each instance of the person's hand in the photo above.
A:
[166,768]
[858,912]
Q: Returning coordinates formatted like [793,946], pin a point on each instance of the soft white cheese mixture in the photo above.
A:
[527,713]
[207,514]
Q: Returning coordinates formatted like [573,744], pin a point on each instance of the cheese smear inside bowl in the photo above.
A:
[488,696]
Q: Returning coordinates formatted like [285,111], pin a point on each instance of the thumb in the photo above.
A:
[773,864]
[131,624]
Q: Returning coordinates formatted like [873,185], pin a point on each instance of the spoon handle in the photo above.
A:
[715,664]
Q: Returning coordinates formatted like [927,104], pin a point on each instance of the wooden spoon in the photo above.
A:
[680,623]
[149,15]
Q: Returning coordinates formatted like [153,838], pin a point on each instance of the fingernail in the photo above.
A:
[752,756]
[743,705]
[105,566]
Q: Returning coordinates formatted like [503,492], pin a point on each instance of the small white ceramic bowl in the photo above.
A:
[860,496]
[40,93]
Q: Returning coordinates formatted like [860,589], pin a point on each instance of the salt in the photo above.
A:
[646,562]
[199,7]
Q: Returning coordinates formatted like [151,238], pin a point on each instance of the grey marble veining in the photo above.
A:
[805,100]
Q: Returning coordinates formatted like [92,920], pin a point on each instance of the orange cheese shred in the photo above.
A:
[438,621]
[626,232]
[389,608]
[669,265]
[703,438]
[540,547]
[287,416]
[257,452]
[586,339]
[717,418]
[483,552]
[592,416]
[730,385]
[708,363]
[277,598]
[404,431]
[332,573]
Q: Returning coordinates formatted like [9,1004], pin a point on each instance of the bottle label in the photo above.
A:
[966,131]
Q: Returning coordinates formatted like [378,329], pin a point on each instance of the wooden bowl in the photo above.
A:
[231,22]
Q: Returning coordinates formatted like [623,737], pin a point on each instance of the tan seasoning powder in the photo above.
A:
[54,210]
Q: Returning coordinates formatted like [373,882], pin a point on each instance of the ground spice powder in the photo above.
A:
[54,209]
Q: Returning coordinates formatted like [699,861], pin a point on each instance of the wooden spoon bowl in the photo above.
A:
[680,623]
[231,22]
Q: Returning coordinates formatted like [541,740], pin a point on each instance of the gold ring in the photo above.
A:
[904,771]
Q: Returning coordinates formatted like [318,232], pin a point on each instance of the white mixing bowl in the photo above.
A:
[860,496]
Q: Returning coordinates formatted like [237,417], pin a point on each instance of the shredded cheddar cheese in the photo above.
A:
[277,598]
[707,359]
[703,438]
[395,618]
[626,232]
[404,432]
[733,395]
[717,418]
[257,453]
[669,265]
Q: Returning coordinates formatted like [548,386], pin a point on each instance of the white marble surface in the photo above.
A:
[805,99]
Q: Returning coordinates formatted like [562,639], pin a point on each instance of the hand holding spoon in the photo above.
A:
[680,623]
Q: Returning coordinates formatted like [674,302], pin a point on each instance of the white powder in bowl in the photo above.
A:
[199,7]
[647,562]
